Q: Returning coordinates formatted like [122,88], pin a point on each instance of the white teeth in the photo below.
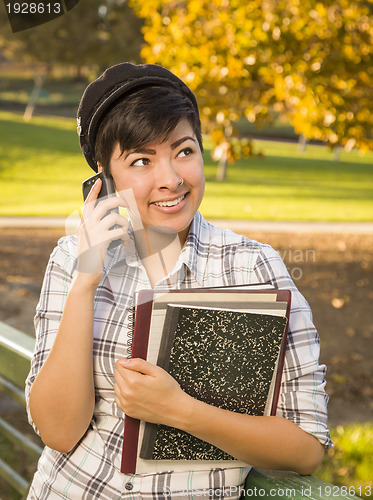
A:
[169,203]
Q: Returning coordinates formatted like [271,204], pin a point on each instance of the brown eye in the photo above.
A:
[185,152]
[140,162]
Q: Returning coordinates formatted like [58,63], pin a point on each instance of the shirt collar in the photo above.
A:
[195,251]
[194,254]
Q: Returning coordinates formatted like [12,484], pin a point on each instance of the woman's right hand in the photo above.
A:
[94,233]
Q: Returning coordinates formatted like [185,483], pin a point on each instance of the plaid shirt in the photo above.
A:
[210,257]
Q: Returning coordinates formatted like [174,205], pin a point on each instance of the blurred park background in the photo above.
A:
[285,90]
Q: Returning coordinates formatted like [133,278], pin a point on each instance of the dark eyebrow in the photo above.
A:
[145,151]
[177,143]
[142,151]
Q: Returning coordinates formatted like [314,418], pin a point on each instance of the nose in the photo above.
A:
[167,176]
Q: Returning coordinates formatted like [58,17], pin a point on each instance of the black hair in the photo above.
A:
[148,114]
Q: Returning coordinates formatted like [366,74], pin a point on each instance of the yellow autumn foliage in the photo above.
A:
[311,60]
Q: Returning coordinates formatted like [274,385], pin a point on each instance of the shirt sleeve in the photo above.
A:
[302,397]
[56,285]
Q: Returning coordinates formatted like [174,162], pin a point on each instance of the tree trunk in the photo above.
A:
[337,153]
[302,143]
[221,173]
[29,111]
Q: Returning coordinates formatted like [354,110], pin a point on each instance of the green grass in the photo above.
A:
[15,91]
[41,170]
[350,462]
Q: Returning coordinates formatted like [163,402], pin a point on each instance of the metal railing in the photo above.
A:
[16,349]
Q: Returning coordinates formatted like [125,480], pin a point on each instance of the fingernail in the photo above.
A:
[124,361]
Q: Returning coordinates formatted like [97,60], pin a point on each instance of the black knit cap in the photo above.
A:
[112,84]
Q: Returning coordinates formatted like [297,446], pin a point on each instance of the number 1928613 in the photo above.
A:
[330,491]
[34,8]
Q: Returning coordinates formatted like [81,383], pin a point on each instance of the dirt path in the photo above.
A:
[334,272]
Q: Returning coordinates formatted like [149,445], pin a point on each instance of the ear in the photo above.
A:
[100,168]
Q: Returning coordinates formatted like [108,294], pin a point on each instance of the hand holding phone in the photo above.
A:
[101,225]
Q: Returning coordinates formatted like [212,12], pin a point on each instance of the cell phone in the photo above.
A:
[107,190]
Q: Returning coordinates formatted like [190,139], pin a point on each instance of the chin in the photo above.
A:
[163,229]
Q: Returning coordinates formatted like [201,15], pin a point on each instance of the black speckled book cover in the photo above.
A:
[225,358]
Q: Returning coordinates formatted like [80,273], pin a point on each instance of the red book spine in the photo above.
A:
[139,350]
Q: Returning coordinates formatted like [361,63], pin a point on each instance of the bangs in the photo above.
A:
[148,115]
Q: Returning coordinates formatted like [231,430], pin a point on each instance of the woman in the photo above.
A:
[140,124]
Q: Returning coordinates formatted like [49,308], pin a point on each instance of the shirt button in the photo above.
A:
[129,486]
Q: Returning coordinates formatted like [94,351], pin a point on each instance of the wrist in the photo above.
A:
[86,283]
[185,408]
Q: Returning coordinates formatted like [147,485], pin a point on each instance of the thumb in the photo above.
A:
[138,365]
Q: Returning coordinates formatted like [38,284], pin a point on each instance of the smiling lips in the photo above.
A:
[170,203]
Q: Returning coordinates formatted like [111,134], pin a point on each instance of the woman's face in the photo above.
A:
[154,171]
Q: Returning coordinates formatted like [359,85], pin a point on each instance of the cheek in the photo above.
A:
[135,192]
[197,178]
[129,183]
